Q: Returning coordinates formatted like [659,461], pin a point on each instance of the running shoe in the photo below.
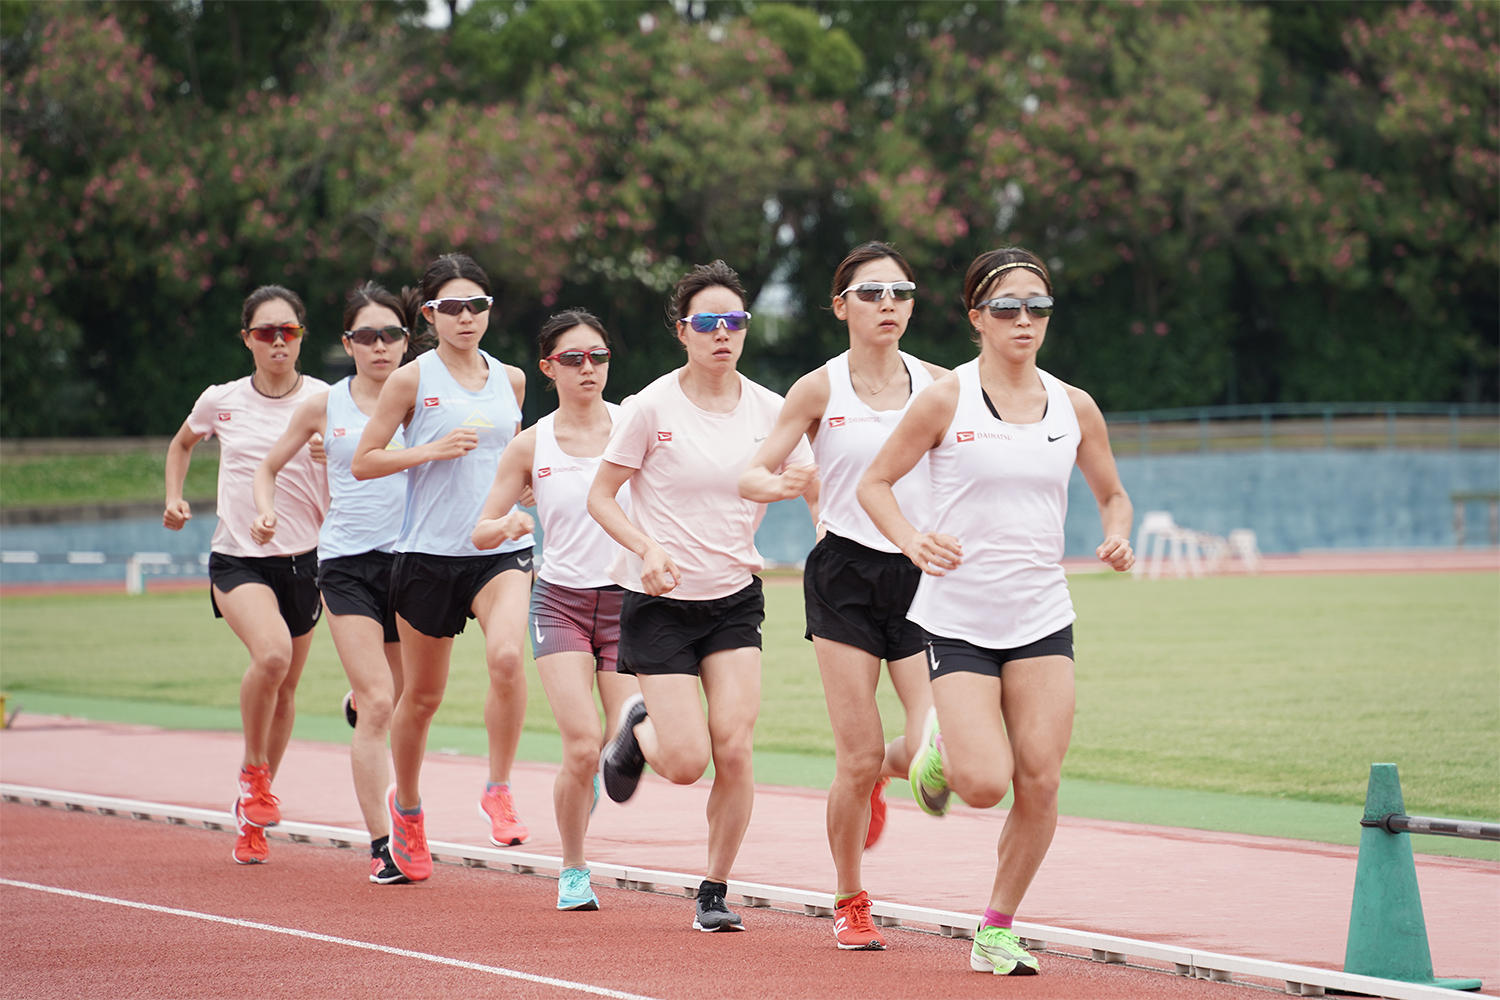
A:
[853,927]
[622,760]
[928,786]
[351,714]
[257,805]
[500,809]
[713,913]
[383,870]
[998,950]
[877,813]
[408,844]
[250,846]
[574,891]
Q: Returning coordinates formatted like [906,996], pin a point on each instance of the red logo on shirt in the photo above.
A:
[965,436]
[339,432]
[544,473]
[835,421]
[663,435]
[430,401]
[224,414]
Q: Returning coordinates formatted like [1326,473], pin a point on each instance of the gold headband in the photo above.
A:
[1006,267]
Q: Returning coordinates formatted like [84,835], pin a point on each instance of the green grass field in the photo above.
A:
[116,477]
[1250,704]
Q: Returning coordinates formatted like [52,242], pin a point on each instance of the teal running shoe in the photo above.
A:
[928,786]
[998,950]
[574,891]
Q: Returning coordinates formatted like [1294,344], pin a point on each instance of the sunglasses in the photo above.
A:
[708,322]
[269,333]
[874,291]
[1040,307]
[452,307]
[367,335]
[574,359]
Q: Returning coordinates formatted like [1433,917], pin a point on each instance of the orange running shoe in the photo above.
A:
[877,813]
[500,809]
[257,805]
[408,840]
[853,927]
[250,846]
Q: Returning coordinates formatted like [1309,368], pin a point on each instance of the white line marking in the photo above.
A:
[457,963]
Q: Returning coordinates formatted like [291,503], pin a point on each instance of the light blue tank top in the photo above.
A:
[445,498]
[362,516]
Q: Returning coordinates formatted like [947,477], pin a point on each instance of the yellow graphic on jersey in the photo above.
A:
[477,419]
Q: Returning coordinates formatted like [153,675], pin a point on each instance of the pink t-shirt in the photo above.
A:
[685,492]
[247,424]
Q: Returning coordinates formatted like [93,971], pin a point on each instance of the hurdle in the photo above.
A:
[1387,931]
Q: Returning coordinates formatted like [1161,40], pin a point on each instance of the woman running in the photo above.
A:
[460,408]
[1001,437]
[575,608]
[267,594]
[856,585]
[354,547]
[694,607]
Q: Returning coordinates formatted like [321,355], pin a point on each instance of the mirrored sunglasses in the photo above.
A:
[367,335]
[874,291]
[1039,306]
[452,307]
[267,334]
[708,322]
[574,359]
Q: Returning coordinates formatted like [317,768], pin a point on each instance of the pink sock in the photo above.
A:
[994,918]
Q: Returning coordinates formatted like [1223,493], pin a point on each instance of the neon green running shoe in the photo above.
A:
[998,950]
[928,786]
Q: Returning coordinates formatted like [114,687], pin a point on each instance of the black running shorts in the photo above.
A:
[661,635]
[951,656]
[360,585]
[435,594]
[293,579]
[859,596]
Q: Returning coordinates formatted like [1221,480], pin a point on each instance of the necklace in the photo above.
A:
[871,385]
[277,395]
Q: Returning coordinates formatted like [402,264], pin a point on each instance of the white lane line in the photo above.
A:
[456,963]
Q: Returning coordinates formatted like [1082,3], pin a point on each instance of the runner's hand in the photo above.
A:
[177,514]
[1117,552]
[263,528]
[934,554]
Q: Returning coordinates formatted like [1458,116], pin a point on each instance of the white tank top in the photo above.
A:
[445,498]
[363,516]
[576,552]
[1002,490]
[848,438]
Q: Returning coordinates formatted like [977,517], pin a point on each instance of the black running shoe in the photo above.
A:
[713,914]
[383,870]
[349,712]
[622,761]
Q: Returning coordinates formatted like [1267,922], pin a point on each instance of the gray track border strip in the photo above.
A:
[1297,980]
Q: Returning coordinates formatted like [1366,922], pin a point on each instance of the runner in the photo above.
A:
[575,609]
[1001,437]
[268,595]
[694,607]
[460,407]
[856,585]
[354,547]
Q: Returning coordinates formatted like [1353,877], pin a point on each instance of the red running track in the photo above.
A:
[300,927]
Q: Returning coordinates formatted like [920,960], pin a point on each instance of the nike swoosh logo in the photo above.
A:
[538,627]
[1050,438]
[523,563]
[761,438]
